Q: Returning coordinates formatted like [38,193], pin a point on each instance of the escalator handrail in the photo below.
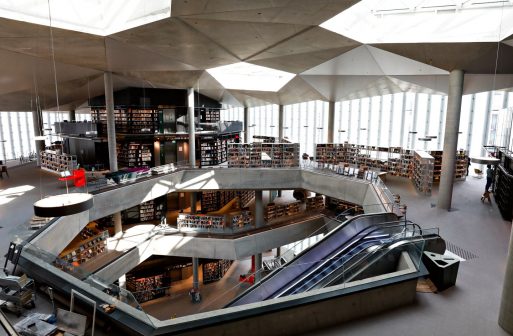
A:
[342,250]
[345,224]
[383,249]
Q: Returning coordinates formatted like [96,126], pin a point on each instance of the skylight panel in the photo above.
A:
[246,76]
[98,17]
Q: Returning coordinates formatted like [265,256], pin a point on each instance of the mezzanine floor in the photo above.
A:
[473,230]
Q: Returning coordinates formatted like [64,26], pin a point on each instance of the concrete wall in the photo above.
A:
[57,237]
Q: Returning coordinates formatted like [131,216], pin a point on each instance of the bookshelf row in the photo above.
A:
[128,120]
[257,154]
[273,210]
[57,162]
[90,245]
[396,161]
[147,288]
[208,114]
[134,154]
[341,206]
[215,200]
[214,271]
[422,174]
[237,219]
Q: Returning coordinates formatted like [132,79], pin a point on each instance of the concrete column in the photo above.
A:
[118,224]
[452,124]
[71,115]
[156,152]
[194,200]
[37,120]
[192,127]
[258,267]
[506,309]
[488,113]
[111,126]
[280,123]
[259,209]
[195,273]
[331,121]
[403,119]
[246,121]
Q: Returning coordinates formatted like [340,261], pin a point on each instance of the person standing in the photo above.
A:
[489,177]
[468,164]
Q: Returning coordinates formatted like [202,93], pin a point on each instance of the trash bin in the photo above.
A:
[443,270]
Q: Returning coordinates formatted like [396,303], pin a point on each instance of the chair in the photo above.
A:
[478,172]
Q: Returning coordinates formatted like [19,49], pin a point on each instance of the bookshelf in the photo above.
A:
[503,187]
[209,114]
[315,203]
[134,154]
[147,211]
[242,219]
[273,210]
[214,149]
[259,154]
[341,205]
[147,288]
[129,120]
[53,162]
[215,270]
[200,221]
[91,243]
[423,172]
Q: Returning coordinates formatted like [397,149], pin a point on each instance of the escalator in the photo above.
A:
[349,235]
[369,238]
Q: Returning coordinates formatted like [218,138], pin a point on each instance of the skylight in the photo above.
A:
[98,17]
[409,21]
[246,76]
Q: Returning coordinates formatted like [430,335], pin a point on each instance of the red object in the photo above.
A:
[79,177]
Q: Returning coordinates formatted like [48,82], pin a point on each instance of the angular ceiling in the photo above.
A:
[176,52]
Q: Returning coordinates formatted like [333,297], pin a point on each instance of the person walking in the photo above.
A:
[489,177]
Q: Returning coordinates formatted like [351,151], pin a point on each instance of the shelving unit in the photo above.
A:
[56,163]
[437,164]
[200,221]
[214,149]
[423,172]
[315,203]
[209,114]
[273,210]
[503,188]
[92,243]
[129,120]
[258,154]
[242,219]
[147,211]
[214,271]
[135,154]
[341,205]
[146,289]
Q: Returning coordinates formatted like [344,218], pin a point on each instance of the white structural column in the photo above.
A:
[331,121]
[452,124]
[111,126]
[280,123]
[486,126]
[403,121]
[470,122]
[246,121]
[506,309]
[111,138]
[37,119]
[192,127]
[441,123]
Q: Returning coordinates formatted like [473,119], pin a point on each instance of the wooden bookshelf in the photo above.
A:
[88,244]
[273,210]
[215,270]
[147,288]
[341,205]
[315,203]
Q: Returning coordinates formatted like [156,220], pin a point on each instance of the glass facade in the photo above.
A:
[400,119]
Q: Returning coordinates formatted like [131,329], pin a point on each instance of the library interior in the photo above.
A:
[291,167]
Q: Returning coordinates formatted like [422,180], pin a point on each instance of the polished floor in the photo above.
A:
[474,230]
